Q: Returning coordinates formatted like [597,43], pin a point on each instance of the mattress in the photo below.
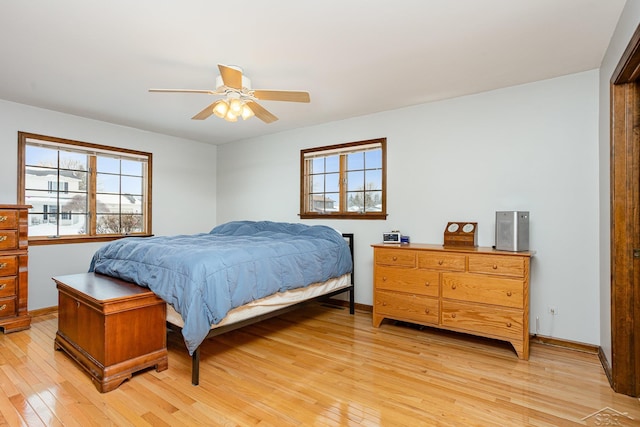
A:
[271,303]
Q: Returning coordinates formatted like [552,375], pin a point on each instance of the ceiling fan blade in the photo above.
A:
[261,112]
[212,92]
[282,95]
[206,112]
[231,77]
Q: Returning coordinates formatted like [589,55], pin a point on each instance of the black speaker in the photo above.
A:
[512,231]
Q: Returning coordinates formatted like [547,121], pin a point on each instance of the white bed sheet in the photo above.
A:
[271,303]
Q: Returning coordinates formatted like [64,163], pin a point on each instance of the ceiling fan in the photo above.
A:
[240,100]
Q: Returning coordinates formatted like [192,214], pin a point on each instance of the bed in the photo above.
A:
[239,273]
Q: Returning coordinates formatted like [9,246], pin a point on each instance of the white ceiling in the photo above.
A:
[97,59]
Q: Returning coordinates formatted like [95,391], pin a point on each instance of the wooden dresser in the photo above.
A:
[479,291]
[14,266]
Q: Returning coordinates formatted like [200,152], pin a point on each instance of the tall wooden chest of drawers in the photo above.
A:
[479,291]
[14,265]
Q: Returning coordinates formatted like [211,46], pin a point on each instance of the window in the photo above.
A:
[80,191]
[344,181]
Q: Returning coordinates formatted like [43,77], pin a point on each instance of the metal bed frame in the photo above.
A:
[195,358]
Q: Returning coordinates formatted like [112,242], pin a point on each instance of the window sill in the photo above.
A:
[43,241]
[377,215]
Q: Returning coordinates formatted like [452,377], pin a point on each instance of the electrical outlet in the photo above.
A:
[553,310]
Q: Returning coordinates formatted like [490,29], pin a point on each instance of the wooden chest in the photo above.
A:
[14,264]
[110,327]
[478,291]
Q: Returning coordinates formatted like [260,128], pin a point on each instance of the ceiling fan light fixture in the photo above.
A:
[231,116]
[221,108]
[236,105]
[247,112]
[231,108]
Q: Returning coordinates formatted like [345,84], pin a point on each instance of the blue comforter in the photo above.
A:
[203,276]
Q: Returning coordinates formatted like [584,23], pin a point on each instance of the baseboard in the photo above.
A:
[574,345]
[43,311]
[343,303]
[605,365]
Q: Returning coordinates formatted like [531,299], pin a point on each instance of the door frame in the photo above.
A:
[624,371]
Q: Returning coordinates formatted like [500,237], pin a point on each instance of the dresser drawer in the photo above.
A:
[408,280]
[483,289]
[396,257]
[7,286]
[8,266]
[8,219]
[495,264]
[441,261]
[483,320]
[416,308]
[7,307]
[8,240]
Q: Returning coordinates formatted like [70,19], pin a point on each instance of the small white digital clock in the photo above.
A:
[391,237]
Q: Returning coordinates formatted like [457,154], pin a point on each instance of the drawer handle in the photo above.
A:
[508,293]
[453,315]
[3,218]
[3,238]
[384,278]
[3,265]
[453,286]
[426,311]
[4,285]
[440,262]
[508,324]
[427,283]
[495,267]
[395,258]
[3,306]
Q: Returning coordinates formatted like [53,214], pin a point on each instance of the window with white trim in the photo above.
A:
[81,191]
[344,181]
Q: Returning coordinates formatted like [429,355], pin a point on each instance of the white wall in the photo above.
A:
[532,147]
[184,185]
[629,21]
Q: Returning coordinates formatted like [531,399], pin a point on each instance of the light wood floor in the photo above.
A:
[314,367]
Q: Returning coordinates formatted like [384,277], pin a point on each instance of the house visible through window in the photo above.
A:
[83,191]
[344,181]
[55,186]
